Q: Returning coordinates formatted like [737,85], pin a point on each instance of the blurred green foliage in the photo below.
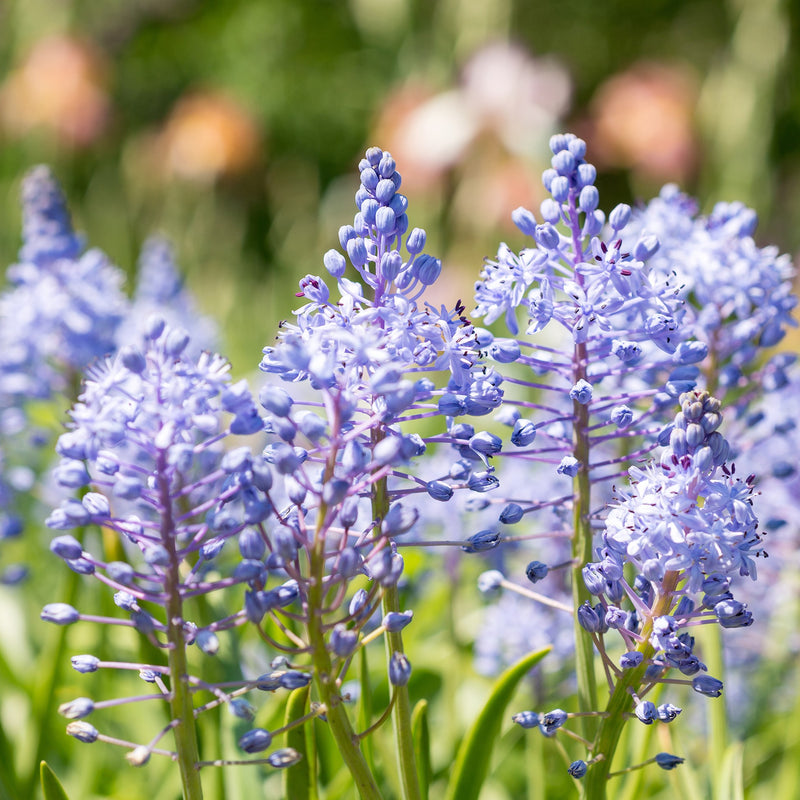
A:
[309,81]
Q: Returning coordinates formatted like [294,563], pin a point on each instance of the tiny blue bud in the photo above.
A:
[524,220]
[705,684]
[439,490]
[569,466]
[395,621]
[283,758]
[343,640]
[526,719]
[588,199]
[481,541]
[255,741]
[85,663]
[621,416]
[83,731]
[547,236]
[427,269]
[577,769]
[550,211]
[207,642]
[399,669]
[511,513]
[552,721]
[132,359]
[76,709]
[415,243]
[66,547]
[581,392]
[630,659]
[668,712]
[646,712]
[335,263]
[559,188]
[490,581]
[59,613]
[523,434]
[536,571]
[646,247]
[667,761]
[620,216]
[588,618]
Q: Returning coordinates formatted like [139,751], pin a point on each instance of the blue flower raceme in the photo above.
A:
[363,360]
[146,441]
[739,297]
[63,306]
[160,291]
[59,311]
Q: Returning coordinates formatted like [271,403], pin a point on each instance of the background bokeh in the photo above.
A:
[230,126]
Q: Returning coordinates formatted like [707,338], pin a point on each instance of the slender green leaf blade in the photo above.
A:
[422,745]
[298,780]
[474,756]
[51,785]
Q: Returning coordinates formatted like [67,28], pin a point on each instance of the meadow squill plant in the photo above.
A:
[145,441]
[614,338]
[59,312]
[363,365]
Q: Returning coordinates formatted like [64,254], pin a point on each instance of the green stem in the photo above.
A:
[712,635]
[181,703]
[325,678]
[629,680]
[401,711]
[582,551]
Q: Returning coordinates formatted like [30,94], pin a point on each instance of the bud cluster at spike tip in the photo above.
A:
[687,527]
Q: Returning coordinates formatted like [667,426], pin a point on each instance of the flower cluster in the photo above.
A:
[688,528]
[739,296]
[146,439]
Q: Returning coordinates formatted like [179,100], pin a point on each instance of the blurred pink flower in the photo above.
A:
[641,119]
[207,135]
[59,87]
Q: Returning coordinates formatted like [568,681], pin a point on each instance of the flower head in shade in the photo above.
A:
[63,306]
[739,296]
[687,528]
[160,291]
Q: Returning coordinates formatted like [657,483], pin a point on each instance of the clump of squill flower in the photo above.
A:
[739,296]
[160,290]
[371,358]
[614,337]
[144,451]
[59,312]
[673,545]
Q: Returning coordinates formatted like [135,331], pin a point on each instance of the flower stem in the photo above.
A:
[612,723]
[325,678]
[401,711]
[181,704]
[582,551]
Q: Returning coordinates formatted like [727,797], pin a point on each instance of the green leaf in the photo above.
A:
[731,773]
[474,756]
[51,785]
[422,745]
[298,780]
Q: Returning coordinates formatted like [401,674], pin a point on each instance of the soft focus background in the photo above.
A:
[235,128]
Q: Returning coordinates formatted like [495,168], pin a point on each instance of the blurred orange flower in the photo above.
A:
[641,119]
[59,87]
[207,135]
